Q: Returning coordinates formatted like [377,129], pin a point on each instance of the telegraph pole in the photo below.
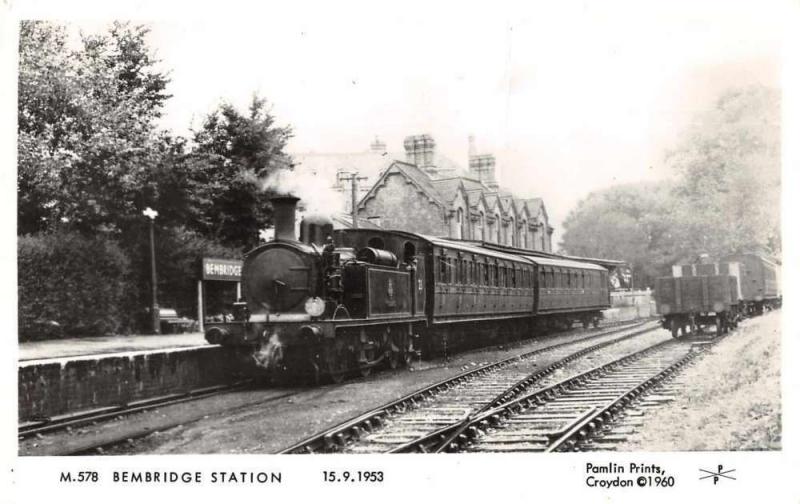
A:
[353,178]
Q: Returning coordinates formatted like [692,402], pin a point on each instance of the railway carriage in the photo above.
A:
[571,290]
[338,302]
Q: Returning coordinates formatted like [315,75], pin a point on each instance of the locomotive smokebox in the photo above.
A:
[284,213]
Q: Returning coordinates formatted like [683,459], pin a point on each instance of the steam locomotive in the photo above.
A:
[717,293]
[339,302]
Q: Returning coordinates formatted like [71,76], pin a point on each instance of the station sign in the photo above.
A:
[222,269]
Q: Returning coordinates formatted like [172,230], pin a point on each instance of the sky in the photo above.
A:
[570,96]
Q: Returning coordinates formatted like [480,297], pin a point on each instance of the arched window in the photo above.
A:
[375,242]
[482,224]
[512,230]
[459,223]
[499,226]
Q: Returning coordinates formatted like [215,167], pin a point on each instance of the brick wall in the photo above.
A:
[401,206]
[57,386]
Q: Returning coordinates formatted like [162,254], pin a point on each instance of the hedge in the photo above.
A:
[70,285]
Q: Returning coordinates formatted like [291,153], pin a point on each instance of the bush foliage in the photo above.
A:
[70,285]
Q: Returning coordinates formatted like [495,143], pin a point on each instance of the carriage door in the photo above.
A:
[417,278]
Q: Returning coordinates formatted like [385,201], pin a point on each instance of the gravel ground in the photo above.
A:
[732,398]
[266,421]
[285,422]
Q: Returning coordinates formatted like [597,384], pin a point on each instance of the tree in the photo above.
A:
[234,155]
[627,222]
[86,126]
[728,198]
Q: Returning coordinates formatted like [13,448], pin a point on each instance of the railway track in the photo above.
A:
[421,416]
[563,415]
[77,420]
[69,421]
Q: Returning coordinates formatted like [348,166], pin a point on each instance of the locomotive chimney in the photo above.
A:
[284,214]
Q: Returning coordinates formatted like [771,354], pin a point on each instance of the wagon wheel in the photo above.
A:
[719,323]
[674,326]
[335,361]
[596,322]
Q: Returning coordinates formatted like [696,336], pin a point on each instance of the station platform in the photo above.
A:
[75,347]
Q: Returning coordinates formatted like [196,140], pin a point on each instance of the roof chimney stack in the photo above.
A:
[419,151]
[482,168]
[377,146]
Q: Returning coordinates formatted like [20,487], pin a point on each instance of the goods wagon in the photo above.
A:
[687,303]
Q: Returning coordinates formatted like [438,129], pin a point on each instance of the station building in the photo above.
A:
[421,196]
[423,191]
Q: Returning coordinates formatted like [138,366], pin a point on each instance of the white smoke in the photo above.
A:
[269,354]
[316,192]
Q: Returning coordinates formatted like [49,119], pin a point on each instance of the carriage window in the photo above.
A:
[442,269]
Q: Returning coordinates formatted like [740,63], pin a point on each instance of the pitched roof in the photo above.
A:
[535,206]
[474,197]
[447,188]
[493,199]
[445,167]
[345,221]
[420,179]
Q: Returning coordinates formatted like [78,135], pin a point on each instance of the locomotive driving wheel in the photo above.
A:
[335,360]
[365,368]
[395,352]
[408,353]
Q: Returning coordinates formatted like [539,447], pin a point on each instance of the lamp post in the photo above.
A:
[152,214]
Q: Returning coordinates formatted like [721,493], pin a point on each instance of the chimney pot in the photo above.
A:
[284,208]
